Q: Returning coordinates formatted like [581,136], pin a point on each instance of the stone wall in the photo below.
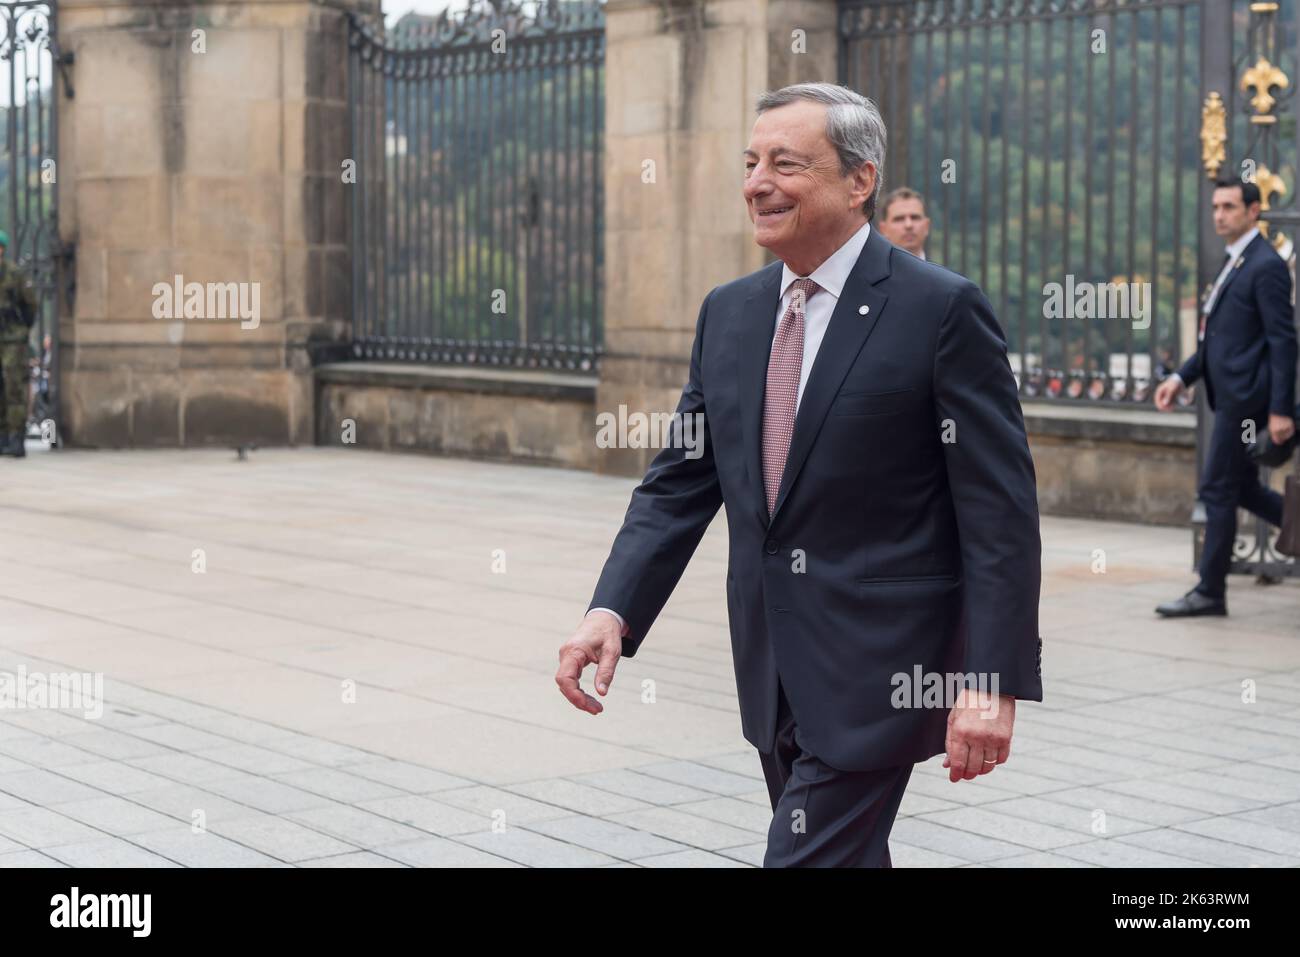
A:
[542,418]
[224,166]
[1135,465]
[1132,466]
[213,155]
[682,79]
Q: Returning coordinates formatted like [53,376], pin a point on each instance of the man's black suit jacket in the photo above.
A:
[1248,354]
[917,553]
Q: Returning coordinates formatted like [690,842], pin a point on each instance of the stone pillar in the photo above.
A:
[204,140]
[681,81]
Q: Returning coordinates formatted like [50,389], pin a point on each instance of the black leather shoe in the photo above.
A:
[17,445]
[1191,605]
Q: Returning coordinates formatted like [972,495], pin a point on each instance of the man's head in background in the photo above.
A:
[903,220]
[1235,207]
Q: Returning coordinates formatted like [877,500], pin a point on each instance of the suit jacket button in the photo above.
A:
[771,547]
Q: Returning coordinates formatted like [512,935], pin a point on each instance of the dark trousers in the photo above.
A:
[1230,480]
[822,816]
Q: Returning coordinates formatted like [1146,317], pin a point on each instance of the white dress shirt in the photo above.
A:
[1234,251]
[830,276]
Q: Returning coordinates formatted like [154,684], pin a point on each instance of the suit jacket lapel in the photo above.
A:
[757,327]
[1232,274]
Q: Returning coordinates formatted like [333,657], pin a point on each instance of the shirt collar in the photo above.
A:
[1238,247]
[834,272]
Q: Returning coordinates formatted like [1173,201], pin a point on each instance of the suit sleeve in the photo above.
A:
[991,479]
[668,515]
[1273,300]
[1190,370]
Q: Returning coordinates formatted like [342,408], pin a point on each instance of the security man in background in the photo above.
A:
[903,221]
[17,313]
[1246,353]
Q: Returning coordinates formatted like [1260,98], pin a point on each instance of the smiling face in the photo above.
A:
[802,207]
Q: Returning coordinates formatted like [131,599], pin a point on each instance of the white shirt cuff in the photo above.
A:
[621,623]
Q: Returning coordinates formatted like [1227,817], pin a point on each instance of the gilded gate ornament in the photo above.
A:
[1263,76]
[1214,134]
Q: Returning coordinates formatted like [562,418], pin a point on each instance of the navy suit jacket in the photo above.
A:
[1248,354]
[917,553]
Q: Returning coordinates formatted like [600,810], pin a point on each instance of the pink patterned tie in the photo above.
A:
[779,402]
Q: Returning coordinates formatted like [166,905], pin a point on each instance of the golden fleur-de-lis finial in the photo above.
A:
[1268,183]
[1263,76]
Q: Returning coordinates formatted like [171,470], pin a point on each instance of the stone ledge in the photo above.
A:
[1068,420]
[527,383]
[521,415]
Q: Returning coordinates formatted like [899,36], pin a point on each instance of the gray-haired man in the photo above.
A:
[863,431]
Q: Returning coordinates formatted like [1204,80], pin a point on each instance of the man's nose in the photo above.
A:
[757,183]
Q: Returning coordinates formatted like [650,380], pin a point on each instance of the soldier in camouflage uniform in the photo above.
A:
[17,313]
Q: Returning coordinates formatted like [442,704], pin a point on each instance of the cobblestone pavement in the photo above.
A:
[337,658]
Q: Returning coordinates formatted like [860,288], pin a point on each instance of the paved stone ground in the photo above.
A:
[229,736]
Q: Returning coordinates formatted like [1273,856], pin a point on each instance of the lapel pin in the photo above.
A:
[863,310]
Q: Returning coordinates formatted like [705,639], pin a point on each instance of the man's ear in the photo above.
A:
[867,173]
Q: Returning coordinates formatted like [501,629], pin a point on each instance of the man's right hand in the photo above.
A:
[1166,392]
[597,641]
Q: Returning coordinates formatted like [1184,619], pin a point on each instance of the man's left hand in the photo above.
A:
[979,733]
[1280,428]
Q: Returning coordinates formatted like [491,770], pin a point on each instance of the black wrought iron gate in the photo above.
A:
[29,61]
[1249,124]
[1071,141]
[477,203]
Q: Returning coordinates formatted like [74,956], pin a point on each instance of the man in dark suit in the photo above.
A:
[862,429]
[1246,354]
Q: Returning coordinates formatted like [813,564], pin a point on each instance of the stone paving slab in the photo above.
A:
[355,679]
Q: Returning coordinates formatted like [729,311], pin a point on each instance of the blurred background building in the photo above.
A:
[474,228]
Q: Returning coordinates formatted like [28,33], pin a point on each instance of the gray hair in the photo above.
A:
[853,125]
